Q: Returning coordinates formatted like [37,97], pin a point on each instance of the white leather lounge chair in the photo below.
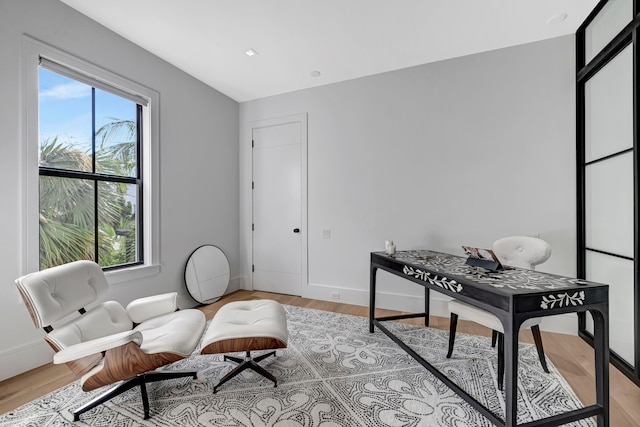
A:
[108,344]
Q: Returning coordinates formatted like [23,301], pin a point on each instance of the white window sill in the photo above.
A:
[133,273]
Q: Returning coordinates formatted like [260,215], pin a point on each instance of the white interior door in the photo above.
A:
[279,255]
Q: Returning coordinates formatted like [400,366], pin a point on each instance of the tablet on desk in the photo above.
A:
[480,257]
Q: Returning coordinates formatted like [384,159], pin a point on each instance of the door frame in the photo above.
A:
[304,243]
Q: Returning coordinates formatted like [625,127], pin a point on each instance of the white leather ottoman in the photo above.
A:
[247,326]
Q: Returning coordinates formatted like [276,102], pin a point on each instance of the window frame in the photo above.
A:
[33,50]
[627,36]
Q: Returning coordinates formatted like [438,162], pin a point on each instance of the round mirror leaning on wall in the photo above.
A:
[207,274]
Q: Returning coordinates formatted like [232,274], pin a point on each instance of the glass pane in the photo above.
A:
[66,220]
[609,205]
[609,108]
[65,122]
[117,234]
[618,274]
[115,134]
[613,17]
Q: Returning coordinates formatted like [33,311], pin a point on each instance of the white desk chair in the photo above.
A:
[518,251]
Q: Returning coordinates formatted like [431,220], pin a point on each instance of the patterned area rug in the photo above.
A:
[334,373]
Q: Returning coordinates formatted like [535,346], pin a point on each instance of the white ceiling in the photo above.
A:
[342,39]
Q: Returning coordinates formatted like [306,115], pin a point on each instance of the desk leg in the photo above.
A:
[600,347]
[511,375]
[426,306]
[372,296]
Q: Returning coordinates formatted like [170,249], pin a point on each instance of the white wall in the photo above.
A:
[457,152]
[198,163]
[462,151]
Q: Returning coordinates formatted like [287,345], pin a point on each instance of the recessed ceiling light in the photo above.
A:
[556,19]
[315,73]
[251,52]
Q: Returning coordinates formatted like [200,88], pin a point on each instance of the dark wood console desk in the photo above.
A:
[513,295]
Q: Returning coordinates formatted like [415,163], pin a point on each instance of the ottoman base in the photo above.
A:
[247,363]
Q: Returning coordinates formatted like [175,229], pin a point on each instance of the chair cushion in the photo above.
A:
[106,319]
[247,326]
[142,309]
[483,317]
[177,332]
[54,293]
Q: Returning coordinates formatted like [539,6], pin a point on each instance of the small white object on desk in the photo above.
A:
[389,247]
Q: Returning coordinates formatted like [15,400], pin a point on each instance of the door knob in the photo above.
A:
[296,230]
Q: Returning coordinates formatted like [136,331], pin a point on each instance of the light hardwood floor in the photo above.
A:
[570,354]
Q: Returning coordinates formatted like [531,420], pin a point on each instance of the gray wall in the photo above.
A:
[459,152]
[198,162]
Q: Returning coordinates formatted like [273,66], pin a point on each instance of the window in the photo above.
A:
[89,171]
[78,167]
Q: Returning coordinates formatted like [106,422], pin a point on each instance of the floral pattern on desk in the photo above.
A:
[562,300]
[511,278]
[434,279]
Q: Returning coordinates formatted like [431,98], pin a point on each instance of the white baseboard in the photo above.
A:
[23,358]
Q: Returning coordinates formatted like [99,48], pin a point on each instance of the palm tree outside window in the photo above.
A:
[89,168]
